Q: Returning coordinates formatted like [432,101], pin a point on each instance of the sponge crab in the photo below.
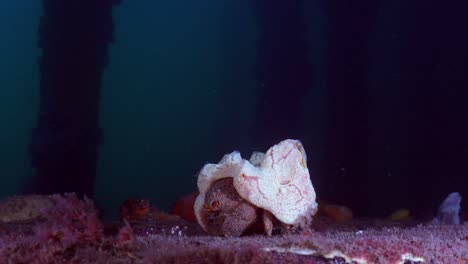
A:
[274,186]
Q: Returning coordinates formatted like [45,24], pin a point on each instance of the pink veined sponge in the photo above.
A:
[275,185]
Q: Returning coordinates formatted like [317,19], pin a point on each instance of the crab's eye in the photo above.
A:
[215,204]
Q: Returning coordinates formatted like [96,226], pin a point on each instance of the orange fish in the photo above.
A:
[337,213]
[183,207]
[132,209]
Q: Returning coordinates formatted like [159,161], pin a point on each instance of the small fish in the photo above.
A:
[338,213]
[400,215]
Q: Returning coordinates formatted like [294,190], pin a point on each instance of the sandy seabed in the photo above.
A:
[70,232]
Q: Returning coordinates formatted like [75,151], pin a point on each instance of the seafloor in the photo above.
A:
[68,230]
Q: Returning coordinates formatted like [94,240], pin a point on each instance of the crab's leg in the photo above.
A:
[267,219]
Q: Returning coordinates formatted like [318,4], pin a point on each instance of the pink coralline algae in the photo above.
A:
[68,224]
[126,236]
[23,207]
[71,232]
[69,221]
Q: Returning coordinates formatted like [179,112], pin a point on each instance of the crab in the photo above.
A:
[237,196]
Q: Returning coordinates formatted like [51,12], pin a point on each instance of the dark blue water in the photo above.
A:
[375,90]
